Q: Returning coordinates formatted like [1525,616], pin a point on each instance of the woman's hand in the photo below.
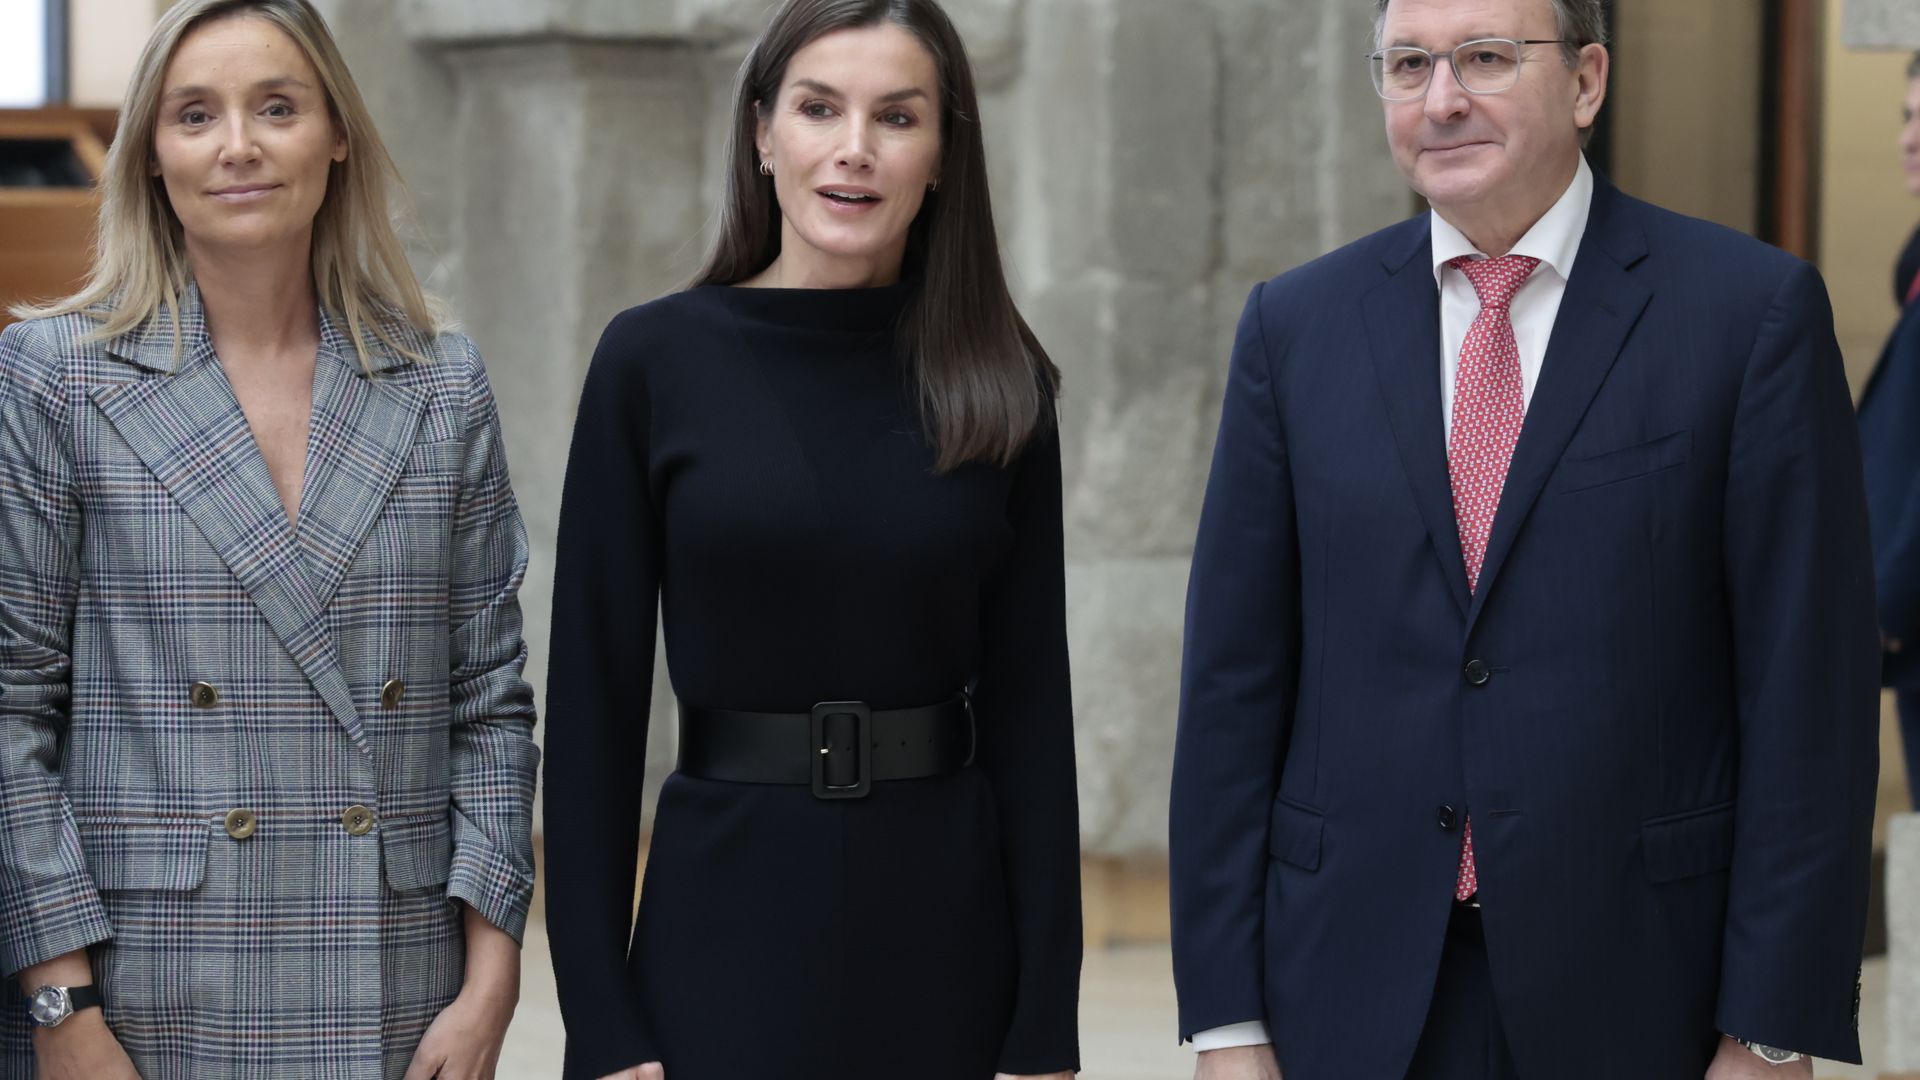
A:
[81,1048]
[652,1070]
[463,1042]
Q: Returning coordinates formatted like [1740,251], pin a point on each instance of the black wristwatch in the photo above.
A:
[51,1005]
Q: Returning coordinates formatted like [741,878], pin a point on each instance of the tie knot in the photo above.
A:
[1496,280]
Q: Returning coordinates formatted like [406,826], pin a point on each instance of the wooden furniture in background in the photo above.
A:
[46,233]
[1790,126]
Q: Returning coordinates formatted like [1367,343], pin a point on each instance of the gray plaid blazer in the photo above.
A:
[250,766]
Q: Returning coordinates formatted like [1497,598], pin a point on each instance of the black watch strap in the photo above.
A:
[85,997]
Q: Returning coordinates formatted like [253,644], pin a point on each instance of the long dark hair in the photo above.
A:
[985,385]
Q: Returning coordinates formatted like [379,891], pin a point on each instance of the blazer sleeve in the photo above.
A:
[600,684]
[1238,678]
[1798,569]
[491,706]
[1024,705]
[48,903]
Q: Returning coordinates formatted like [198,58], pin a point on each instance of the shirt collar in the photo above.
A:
[1554,239]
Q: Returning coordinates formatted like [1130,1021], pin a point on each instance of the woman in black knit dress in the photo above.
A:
[833,463]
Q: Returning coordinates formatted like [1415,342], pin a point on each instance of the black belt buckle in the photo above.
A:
[820,751]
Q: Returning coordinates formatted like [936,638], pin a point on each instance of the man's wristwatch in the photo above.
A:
[51,1005]
[1770,1055]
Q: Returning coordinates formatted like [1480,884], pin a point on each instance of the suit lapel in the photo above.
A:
[186,425]
[1602,303]
[358,445]
[1403,332]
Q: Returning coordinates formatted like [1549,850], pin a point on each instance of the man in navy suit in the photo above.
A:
[1890,438]
[1528,720]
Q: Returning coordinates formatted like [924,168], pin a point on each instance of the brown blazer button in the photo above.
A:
[241,823]
[358,820]
[204,695]
[392,692]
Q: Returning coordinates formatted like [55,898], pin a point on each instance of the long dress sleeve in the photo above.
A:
[599,680]
[1024,703]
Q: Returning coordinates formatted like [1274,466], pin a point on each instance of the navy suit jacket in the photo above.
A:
[1671,767]
[1890,439]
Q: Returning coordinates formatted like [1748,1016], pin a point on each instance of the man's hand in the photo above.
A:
[1238,1063]
[81,1048]
[1736,1062]
[652,1070]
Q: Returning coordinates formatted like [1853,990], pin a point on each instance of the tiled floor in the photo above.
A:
[1127,1019]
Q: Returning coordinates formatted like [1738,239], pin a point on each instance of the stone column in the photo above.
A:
[1881,24]
[1167,157]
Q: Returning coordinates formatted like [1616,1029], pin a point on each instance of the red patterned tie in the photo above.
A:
[1489,404]
[1913,290]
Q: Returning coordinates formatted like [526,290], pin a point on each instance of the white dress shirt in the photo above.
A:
[1555,241]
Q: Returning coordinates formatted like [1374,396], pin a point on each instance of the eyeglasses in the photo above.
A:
[1487,66]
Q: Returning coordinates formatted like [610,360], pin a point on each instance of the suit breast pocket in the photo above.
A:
[1627,463]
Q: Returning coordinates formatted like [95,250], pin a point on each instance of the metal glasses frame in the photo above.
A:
[1453,63]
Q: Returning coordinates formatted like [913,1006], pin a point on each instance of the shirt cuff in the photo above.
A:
[1250,1033]
[1735,1038]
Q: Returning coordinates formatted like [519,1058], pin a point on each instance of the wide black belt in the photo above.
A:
[839,748]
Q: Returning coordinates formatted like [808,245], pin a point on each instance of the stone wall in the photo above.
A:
[1882,24]
[1151,161]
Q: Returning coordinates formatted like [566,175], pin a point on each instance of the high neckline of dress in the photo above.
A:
[853,310]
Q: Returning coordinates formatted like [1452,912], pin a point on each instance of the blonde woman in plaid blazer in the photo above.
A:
[265,747]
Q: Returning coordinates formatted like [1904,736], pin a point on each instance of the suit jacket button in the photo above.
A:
[392,692]
[241,823]
[1477,673]
[1447,819]
[358,820]
[203,695]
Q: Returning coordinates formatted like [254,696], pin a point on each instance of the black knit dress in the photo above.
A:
[753,460]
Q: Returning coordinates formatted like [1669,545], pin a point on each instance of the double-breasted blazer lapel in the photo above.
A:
[184,421]
[363,430]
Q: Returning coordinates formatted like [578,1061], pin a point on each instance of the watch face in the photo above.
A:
[1776,1057]
[48,1006]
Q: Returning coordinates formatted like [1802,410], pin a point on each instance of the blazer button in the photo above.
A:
[392,692]
[1447,819]
[1478,673]
[358,820]
[241,823]
[203,695]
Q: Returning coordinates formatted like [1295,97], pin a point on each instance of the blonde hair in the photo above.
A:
[360,268]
